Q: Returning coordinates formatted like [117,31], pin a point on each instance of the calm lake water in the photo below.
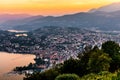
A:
[9,61]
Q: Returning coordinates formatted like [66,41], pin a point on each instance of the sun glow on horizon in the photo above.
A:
[50,7]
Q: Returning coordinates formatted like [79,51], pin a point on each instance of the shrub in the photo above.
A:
[104,75]
[67,77]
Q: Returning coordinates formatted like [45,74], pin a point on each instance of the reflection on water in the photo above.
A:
[10,61]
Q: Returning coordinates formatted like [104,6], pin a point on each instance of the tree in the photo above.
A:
[112,48]
[95,57]
[98,61]
[50,74]
[39,61]
[71,66]
[67,77]
[104,75]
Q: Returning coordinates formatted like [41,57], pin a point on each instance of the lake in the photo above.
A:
[8,61]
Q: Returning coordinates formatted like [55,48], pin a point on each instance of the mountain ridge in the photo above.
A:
[108,8]
[100,20]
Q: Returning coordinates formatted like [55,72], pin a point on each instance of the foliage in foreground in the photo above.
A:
[47,75]
[67,77]
[99,76]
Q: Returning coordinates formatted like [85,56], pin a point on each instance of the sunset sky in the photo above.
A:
[50,7]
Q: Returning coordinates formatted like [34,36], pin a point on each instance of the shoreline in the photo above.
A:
[17,53]
[9,61]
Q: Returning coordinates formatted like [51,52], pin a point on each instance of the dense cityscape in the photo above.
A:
[53,46]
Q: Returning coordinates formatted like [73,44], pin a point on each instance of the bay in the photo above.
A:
[8,61]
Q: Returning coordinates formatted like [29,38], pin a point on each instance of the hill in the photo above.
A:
[105,18]
[108,8]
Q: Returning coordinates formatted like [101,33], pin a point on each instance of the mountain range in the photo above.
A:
[6,17]
[105,18]
[108,8]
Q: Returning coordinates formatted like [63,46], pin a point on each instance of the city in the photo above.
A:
[53,46]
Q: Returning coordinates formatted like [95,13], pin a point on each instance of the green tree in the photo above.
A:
[112,48]
[39,61]
[71,66]
[104,75]
[50,74]
[95,57]
[98,61]
[67,77]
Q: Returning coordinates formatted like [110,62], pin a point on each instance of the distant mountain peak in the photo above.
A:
[6,17]
[108,8]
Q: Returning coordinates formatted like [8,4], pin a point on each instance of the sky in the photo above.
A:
[50,7]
